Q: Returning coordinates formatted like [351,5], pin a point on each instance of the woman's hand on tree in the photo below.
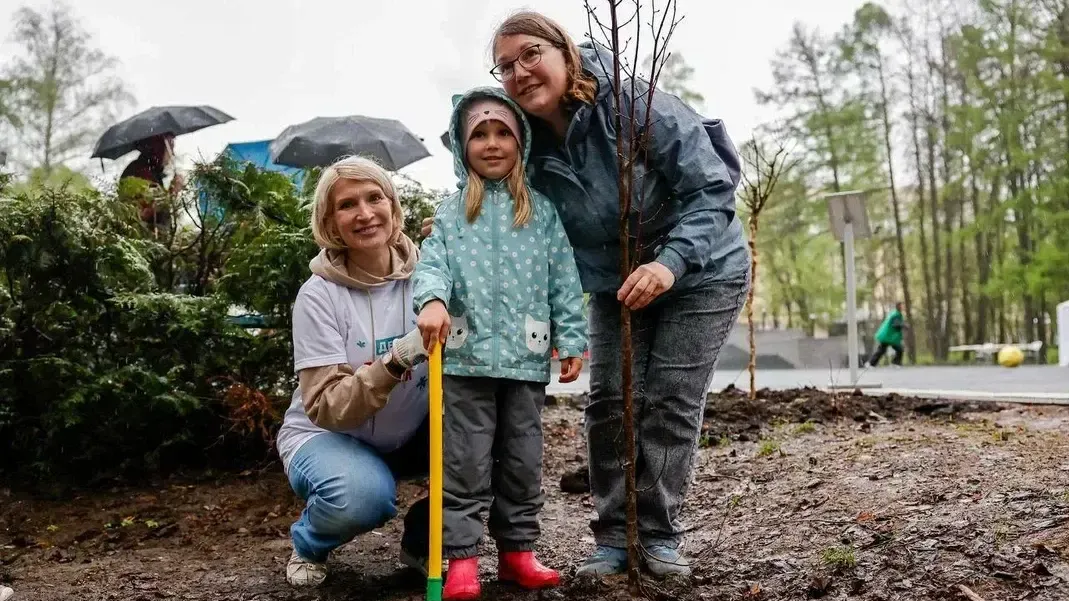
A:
[433,323]
[645,284]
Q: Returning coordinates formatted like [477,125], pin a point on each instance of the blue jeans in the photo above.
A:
[351,489]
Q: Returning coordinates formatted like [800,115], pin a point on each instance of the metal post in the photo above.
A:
[851,301]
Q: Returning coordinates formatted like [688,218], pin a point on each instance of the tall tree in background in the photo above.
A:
[807,83]
[7,101]
[862,46]
[968,103]
[66,89]
[675,78]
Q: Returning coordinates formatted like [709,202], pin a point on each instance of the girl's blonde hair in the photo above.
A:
[581,87]
[356,168]
[517,185]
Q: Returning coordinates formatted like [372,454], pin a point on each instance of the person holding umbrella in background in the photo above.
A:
[152,133]
[156,154]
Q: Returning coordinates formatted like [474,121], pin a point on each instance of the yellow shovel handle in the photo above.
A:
[434,558]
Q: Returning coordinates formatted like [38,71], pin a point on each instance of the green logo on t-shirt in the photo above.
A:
[383,344]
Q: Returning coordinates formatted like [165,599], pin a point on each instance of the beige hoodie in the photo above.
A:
[334,396]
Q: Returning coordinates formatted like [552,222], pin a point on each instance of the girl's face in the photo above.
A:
[492,150]
[363,214]
[536,76]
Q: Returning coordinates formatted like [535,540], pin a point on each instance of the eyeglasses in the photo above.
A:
[528,58]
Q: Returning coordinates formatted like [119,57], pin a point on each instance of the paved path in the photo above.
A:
[1040,380]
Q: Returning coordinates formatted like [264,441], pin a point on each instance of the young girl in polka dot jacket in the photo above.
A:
[497,285]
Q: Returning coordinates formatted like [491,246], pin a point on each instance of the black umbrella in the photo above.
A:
[121,137]
[323,140]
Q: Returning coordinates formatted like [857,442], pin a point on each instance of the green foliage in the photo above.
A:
[118,355]
[839,558]
[268,237]
[675,77]
[767,448]
[61,89]
[977,136]
[418,203]
[97,373]
[58,178]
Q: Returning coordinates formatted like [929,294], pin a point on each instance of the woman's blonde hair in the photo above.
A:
[521,197]
[356,168]
[581,87]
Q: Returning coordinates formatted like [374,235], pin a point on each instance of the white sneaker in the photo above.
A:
[6,593]
[303,573]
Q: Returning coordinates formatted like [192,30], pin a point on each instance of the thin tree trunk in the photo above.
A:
[1041,326]
[900,246]
[965,273]
[984,257]
[1063,64]
[938,328]
[950,194]
[51,100]
[624,153]
[919,165]
[749,308]
[997,268]
[1022,199]
[931,141]
[977,335]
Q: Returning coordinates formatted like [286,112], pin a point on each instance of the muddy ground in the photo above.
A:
[797,496]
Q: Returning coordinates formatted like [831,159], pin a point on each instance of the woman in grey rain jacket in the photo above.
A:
[691,279]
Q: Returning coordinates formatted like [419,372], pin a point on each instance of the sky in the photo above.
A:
[274,63]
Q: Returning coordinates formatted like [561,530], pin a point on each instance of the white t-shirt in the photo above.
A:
[334,324]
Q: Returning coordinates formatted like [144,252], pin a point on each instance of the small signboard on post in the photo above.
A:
[848,208]
[849,221]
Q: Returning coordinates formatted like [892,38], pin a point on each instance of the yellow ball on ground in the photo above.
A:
[1010,356]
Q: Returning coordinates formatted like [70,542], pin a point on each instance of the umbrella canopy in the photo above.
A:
[323,140]
[122,137]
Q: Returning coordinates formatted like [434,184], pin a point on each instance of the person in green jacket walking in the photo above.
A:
[889,336]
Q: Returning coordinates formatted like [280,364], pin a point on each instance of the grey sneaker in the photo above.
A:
[304,573]
[663,562]
[605,561]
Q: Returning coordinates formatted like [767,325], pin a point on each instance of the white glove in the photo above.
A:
[407,351]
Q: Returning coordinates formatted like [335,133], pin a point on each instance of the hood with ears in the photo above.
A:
[456,134]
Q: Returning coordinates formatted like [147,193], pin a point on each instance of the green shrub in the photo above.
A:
[118,355]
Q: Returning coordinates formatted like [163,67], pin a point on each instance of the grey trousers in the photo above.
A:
[675,346]
[493,458]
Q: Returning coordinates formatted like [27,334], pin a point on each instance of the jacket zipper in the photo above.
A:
[374,355]
[494,266]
